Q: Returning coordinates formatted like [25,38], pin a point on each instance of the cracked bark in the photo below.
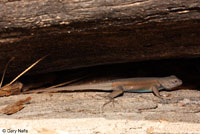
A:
[103,32]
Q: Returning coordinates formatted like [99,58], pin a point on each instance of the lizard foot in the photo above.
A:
[111,100]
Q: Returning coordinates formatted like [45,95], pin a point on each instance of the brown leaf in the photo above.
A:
[12,89]
[5,93]
[17,106]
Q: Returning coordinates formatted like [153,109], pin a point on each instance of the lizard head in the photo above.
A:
[170,82]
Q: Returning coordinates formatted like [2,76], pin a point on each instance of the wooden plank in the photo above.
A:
[86,33]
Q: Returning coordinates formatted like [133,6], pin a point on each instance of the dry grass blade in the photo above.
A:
[4,72]
[17,106]
[54,87]
[25,71]
[68,82]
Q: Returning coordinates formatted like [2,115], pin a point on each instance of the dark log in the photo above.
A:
[94,32]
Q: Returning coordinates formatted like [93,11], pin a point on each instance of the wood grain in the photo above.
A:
[88,33]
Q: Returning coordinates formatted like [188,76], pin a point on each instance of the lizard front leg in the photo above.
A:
[156,91]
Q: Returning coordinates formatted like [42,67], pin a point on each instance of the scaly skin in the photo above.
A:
[137,85]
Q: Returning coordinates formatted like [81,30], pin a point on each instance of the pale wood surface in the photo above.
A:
[82,113]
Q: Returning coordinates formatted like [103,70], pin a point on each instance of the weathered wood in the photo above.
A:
[93,32]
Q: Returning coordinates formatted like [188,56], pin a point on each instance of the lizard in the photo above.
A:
[119,86]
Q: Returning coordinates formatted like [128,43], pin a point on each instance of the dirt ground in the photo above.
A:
[83,112]
[61,110]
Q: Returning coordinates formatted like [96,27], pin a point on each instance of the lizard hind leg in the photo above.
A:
[116,93]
